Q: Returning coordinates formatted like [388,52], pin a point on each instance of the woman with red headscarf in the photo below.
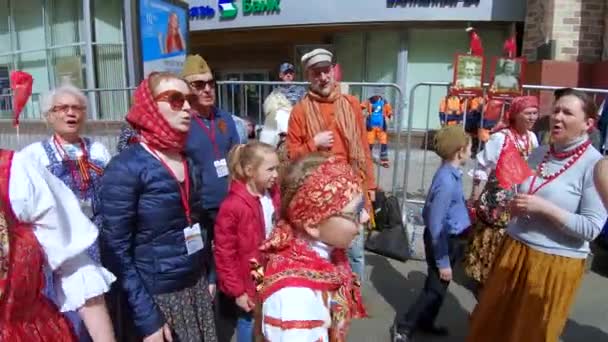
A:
[309,292]
[491,203]
[152,237]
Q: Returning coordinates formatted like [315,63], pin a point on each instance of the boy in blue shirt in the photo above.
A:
[445,217]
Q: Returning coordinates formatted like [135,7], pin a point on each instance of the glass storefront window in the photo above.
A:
[46,38]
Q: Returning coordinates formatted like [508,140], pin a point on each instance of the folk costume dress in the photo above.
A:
[492,207]
[540,266]
[309,292]
[80,167]
[41,224]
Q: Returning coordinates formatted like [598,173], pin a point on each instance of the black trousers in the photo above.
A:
[425,309]
[208,217]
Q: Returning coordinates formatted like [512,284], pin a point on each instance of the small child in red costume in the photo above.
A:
[309,292]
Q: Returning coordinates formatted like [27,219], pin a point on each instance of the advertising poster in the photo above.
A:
[163,29]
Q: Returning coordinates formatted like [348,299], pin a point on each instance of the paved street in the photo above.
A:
[394,285]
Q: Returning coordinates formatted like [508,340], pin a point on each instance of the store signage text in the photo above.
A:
[261,6]
[201,12]
[228,9]
[429,3]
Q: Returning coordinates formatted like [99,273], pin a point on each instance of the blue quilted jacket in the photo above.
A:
[142,238]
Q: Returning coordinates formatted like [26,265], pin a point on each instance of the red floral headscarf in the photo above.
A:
[291,260]
[518,105]
[147,120]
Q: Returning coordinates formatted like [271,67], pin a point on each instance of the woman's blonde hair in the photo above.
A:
[295,176]
[156,78]
[273,103]
[244,155]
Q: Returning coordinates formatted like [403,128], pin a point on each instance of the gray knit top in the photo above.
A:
[573,191]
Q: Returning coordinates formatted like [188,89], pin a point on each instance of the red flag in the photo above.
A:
[510,47]
[511,168]
[475,45]
[21,85]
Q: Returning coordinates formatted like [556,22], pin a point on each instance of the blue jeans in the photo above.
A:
[244,328]
[356,255]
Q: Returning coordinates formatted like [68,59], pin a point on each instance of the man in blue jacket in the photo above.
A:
[212,134]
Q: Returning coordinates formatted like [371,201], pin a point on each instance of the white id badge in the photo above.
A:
[87,208]
[221,167]
[193,238]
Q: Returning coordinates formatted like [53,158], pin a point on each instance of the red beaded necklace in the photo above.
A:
[574,155]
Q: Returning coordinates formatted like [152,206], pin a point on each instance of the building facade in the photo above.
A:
[80,41]
[395,41]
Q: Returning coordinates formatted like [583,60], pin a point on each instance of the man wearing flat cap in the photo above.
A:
[212,134]
[327,120]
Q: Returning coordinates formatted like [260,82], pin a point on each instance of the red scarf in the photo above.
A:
[518,105]
[147,120]
[292,261]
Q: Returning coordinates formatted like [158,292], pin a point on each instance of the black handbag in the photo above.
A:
[391,243]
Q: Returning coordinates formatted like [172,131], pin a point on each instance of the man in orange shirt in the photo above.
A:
[327,120]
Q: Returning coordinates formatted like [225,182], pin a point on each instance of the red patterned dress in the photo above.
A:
[25,314]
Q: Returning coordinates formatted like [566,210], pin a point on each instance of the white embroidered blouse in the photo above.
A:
[62,230]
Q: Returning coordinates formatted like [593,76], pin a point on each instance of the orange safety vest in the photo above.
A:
[450,110]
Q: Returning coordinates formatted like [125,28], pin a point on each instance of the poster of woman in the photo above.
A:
[174,40]
[507,77]
[163,28]
[468,75]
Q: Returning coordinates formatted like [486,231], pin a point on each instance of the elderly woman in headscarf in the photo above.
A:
[152,238]
[77,161]
[492,203]
[309,291]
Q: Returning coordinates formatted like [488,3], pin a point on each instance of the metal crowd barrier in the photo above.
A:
[419,164]
[246,98]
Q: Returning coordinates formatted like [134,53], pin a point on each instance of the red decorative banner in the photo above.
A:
[511,168]
[21,86]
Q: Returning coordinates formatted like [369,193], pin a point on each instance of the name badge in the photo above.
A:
[221,167]
[87,208]
[193,238]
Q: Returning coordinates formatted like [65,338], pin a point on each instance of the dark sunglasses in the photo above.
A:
[174,98]
[354,216]
[202,85]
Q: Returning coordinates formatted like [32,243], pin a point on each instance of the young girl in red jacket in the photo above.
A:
[244,221]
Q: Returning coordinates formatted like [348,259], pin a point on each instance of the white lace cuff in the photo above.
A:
[78,280]
[480,174]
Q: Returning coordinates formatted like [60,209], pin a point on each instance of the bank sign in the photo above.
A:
[229,9]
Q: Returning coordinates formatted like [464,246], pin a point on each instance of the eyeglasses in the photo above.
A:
[66,108]
[202,85]
[174,98]
[354,216]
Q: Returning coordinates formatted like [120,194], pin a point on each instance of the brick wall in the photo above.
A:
[537,26]
[577,26]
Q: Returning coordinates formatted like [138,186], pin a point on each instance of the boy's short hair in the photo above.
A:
[449,140]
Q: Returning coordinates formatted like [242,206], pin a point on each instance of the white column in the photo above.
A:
[89,58]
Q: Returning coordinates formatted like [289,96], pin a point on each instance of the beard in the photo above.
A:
[322,90]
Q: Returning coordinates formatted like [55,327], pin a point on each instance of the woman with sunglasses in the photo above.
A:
[153,239]
[77,161]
